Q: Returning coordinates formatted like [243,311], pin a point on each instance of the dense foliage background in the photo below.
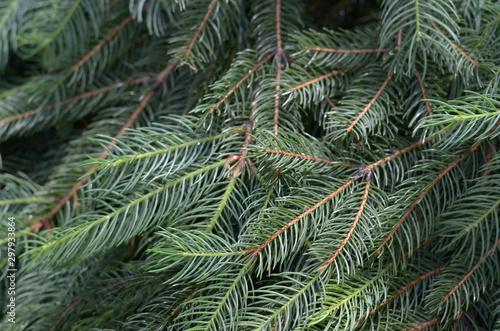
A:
[250,165]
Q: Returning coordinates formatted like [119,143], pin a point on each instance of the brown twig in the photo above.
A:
[202,25]
[101,43]
[353,226]
[250,72]
[301,216]
[490,251]
[372,101]
[422,88]
[425,325]
[347,51]
[401,291]
[279,54]
[331,74]
[132,119]
[310,158]
[456,47]
[86,95]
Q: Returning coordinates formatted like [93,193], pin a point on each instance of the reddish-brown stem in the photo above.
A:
[279,49]
[277,101]
[250,72]
[244,151]
[101,43]
[301,216]
[366,169]
[400,38]
[140,39]
[82,181]
[64,313]
[330,102]
[202,25]
[490,251]
[355,51]
[353,226]
[410,285]
[419,198]
[425,243]
[401,291]
[456,47]
[310,158]
[334,9]
[79,97]
[422,88]
[370,104]
[425,325]
[132,119]
[315,80]
[163,75]
[397,154]
[278,28]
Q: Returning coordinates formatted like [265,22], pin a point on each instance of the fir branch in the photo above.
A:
[332,74]
[301,216]
[456,47]
[101,43]
[202,25]
[250,72]
[384,85]
[83,96]
[56,33]
[310,158]
[133,117]
[222,204]
[401,291]
[54,251]
[421,196]
[347,51]
[490,251]
[426,325]
[422,88]
[353,226]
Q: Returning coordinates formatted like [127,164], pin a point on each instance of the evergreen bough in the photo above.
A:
[251,165]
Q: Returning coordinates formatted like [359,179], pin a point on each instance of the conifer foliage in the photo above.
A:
[250,165]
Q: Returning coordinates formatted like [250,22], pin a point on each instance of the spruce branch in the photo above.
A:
[469,274]
[101,43]
[332,74]
[202,25]
[372,101]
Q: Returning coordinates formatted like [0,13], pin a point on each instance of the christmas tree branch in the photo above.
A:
[426,325]
[347,51]
[384,85]
[490,251]
[202,25]
[335,73]
[250,72]
[83,96]
[456,47]
[422,88]
[101,43]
